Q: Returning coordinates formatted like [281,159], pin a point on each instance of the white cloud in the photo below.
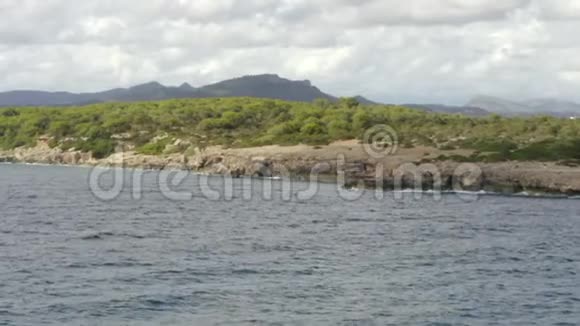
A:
[391,50]
[559,9]
[570,76]
[387,12]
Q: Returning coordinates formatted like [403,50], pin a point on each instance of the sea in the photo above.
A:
[90,246]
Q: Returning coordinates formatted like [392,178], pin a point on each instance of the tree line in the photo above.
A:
[151,127]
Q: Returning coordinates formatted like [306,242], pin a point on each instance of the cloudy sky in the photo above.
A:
[391,50]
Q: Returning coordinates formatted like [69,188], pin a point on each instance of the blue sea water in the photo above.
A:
[69,258]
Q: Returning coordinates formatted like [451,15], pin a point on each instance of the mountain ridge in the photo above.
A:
[263,86]
[547,106]
[275,87]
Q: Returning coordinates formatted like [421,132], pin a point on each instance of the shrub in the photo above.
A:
[155,148]
[100,148]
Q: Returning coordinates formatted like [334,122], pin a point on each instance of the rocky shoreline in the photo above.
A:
[344,162]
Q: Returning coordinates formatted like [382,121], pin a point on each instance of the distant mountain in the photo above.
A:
[264,86]
[438,108]
[533,107]
[261,86]
[481,106]
[364,101]
[145,92]
[555,106]
[276,87]
[498,105]
[36,98]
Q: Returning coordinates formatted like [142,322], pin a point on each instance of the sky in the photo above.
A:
[423,51]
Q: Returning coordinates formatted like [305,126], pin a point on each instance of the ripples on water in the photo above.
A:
[67,258]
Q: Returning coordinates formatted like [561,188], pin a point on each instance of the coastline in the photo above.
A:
[345,162]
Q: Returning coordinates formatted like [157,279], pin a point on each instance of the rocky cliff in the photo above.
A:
[345,161]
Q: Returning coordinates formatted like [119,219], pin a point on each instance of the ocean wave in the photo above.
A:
[107,234]
[523,194]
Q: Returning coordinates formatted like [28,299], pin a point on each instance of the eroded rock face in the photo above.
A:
[524,176]
[261,168]
[6,159]
[48,156]
[468,177]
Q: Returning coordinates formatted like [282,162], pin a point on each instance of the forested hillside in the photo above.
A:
[154,127]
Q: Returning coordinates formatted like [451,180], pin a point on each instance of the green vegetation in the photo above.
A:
[155,147]
[152,127]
